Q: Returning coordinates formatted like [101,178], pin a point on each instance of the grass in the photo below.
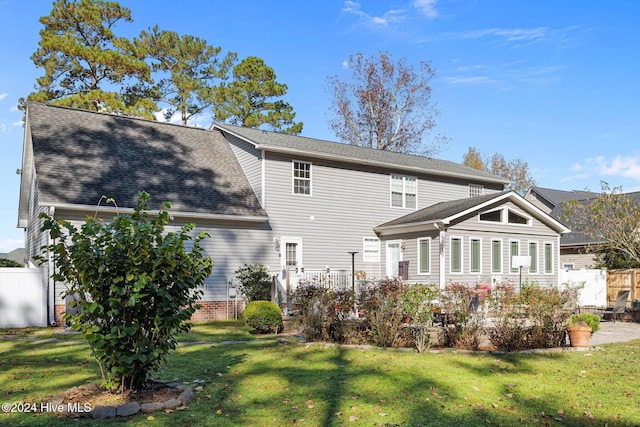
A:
[260,383]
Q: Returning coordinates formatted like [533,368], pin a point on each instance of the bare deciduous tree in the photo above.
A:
[385,105]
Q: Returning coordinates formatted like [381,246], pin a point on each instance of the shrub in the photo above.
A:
[547,309]
[510,332]
[591,320]
[417,304]
[381,307]
[136,287]
[5,262]
[327,313]
[459,301]
[263,316]
[255,282]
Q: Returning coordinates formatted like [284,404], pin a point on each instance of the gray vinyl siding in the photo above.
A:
[346,203]
[230,246]
[35,238]
[471,228]
[579,260]
[250,160]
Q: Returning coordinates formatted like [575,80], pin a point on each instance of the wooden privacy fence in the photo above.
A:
[618,280]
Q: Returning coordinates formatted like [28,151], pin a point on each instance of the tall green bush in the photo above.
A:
[255,282]
[135,285]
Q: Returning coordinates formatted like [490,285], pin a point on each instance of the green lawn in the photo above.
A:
[264,383]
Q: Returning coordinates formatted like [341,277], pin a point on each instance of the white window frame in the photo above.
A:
[512,269]
[537,257]
[500,257]
[404,178]
[476,190]
[471,240]
[370,249]
[419,251]
[551,257]
[294,177]
[504,217]
[451,239]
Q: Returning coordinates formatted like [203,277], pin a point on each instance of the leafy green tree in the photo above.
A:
[249,99]
[189,68]
[612,219]
[135,285]
[86,65]
[516,170]
[386,105]
[5,262]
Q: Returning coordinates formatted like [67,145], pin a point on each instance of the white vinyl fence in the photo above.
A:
[594,282]
[23,298]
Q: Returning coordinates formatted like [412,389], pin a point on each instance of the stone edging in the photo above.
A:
[100,412]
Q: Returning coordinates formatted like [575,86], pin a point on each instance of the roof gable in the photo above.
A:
[298,145]
[81,156]
[447,212]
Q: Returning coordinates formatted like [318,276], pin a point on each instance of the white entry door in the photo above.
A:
[291,259]
[394,256]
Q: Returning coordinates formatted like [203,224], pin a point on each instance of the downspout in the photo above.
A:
[263,166]
[442,259]
[51,284]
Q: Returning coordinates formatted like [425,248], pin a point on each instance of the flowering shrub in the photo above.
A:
[462,303]
[382,310]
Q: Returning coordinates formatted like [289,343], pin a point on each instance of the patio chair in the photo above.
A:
[621,304]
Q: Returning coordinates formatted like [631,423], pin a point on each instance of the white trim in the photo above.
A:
[461,255]
[471,239]
[293,178]
[419,257]
[388,243]
[504,217]
[359,161]
[263,177]
[364,249]
[172,213]
[404,190]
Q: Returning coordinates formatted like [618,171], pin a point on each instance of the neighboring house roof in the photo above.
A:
[303,146]
[576,238]
[447,212]
[17,255]
[82,155]
[556,197]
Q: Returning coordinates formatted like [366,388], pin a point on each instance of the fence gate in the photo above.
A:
[618,280]
[23,297]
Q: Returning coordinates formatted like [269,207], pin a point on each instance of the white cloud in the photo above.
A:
[469,80]
[427,7]
[391,16]
[511,34]
[9,244]
[3,96]
[626,166]
[345,64]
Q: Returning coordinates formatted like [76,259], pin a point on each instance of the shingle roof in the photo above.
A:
[82,155]
[442,210]
[355,154]
[558,196]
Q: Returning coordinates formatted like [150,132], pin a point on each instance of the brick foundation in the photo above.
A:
[211,310]
[59,311]
[216,310]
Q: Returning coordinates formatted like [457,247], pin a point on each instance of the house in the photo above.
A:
[295,204]
[575,248]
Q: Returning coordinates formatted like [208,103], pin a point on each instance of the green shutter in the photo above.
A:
[475,256]
[424,256]
[496,256]
[533,253]
[456,255]
[548,258]
[514,252]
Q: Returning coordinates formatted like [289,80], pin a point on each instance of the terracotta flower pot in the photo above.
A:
[579,335]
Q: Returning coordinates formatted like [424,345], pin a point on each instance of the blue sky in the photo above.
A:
[556,83]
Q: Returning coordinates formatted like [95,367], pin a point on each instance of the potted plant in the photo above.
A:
[580,328]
